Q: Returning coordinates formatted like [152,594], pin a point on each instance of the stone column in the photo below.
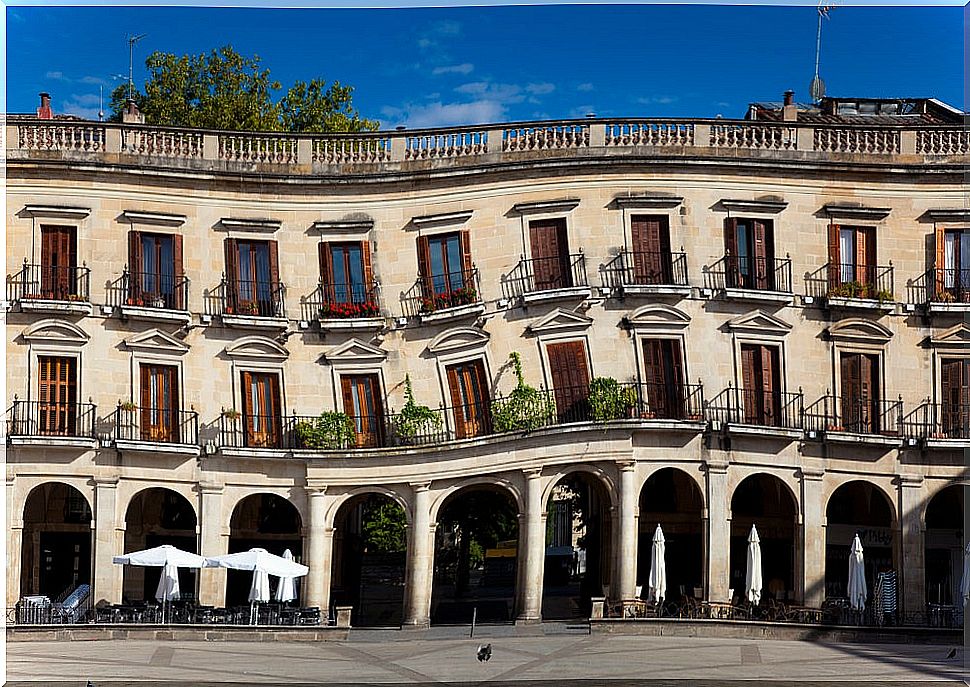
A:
[910,561]
[533,546]
[627,564]
[718,533]
[109,532]
[420,566]
[15,539]
[812,535]
[214,541]
[319,550]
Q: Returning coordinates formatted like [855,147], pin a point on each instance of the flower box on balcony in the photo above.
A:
[335,311]
[439,301]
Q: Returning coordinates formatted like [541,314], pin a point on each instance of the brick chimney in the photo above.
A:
[131,114]
[44,111]
[789,112]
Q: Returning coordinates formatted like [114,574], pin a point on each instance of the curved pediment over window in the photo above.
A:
[458,339]
[658,316]
[56,332]
[760,322]
[860,331]
[156,341]
[355,351]
[560,320]
[954,337]
[257,348]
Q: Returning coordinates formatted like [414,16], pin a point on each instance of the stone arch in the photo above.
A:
[944,538]
[334,507]
[609,484]
[484,480]
[56,546]
[282,492]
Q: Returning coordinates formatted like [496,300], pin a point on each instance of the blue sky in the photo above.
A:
[461,65]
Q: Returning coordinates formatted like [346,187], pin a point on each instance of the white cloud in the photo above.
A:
[93,80]
[445,114]
[657,100]
[84,105]
[485,90]
[425,43]
[57,76]
[446,28]
[584,87]
[464,68]
[540,88]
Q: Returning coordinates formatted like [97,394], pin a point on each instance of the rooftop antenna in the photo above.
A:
[131,46]
[817,88]
[100,102]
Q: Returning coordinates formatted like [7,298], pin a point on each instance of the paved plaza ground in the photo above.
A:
[447,655]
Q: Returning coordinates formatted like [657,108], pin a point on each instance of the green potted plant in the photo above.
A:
[414,419]
[610,401]
[525,408]
[943,296]
[231,414]
[331,431]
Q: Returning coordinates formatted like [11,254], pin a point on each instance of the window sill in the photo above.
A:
[137,312]
[556,294]
[57,307]
[351,324]
[765,431]
[456,313]
[858,438]
[255,322]
[655,290]
[948,308]
[859,303]
[53,441]
[139,446]
[759,296]
[944,443]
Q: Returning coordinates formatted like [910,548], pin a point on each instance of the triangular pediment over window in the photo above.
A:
[658,316]
[56,332]
[861,331]
[760,322]
[156,341]
[560,320]
[257,348]
[954,337]
[355,351]
[458,339]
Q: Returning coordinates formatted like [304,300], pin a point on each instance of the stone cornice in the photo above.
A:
[647,201]
[949,214]
[443,218]
[259,225]
[156,218]
[762,206]
[863,212]
[65,211]
[561,205]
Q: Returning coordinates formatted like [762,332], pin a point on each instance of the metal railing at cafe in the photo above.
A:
[848,280]
[856,415]
[434,292]
[750,273]
[766,408]
[546,274]
[149,290]
[341,301]
[52,283]
[157,425]
[643,268]
[54,419]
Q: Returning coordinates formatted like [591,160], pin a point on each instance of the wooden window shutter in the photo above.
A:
[750,369]
[865,244]
[835,259]
[178,270]
[346,389]
[326,271]
[368,265]
[677,362]
[763,267]
[653,363]
[424,265]
[232,260]
[464,237]
[731,236]
[247,394]
[136,264]
[146,387]
[940,264]
[274,266]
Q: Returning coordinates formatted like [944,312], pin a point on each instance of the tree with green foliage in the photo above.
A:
[384,525]
[225,90]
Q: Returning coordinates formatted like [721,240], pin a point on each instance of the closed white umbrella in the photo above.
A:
[262,563]
[168,584]
[259,589]
[286,589]
[857,576]
[965,582]
[752,579]
[658,567]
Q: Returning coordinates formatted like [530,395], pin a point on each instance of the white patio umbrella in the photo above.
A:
[262,563]
[170,559]
[286,589]
[965,582]
[857,576]
[658,567]
[752,579]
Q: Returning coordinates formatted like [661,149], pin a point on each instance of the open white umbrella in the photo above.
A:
[262,563]
[857,576]
[965,582]
[170,559]
[752,579]
[658,567]
[286,589]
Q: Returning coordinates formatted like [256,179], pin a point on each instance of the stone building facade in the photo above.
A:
[781,299]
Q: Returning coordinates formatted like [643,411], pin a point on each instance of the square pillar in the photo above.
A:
[812,536]
[911,575]
[214,541]
[718,533]
[109,532]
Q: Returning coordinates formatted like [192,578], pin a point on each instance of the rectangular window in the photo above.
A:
[760,385]
[650,236]
[570,379]
[750,248]
[469,398]
[57,395]
[445,263]
[955,276]
[261,409]
[550,255]
[852,255]
[955,397]
[155,270]
[159,403]
[362,402]
[58,260]
[860,393]
[252,268]
[664,377]
[345,272]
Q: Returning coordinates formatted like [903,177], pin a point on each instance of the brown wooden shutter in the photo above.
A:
[731,236]
[651,246]
[325,257]
[763,267]
[750,362]
[865,258]
[247,395]
[232,275]
[940,263]
[348,395]
[368,267]
[835,258]
[454,387]
[550,254]
[770,384]
[424,265]
[274,267]
[178,270]
[655,376]
[569,372]
[136,264]
[465,239]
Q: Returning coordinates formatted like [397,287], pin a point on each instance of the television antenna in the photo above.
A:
[817,88]
[131,47]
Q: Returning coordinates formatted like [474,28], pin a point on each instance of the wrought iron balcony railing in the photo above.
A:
[848,280]
[765,408]
[646,269]
[546,274]
[939,285]
[52,283]
[156,425]
[856,415]
[255,298]
[938,421]
[750,273]
[332,301]
[435,292]
[51,419]
[150,290]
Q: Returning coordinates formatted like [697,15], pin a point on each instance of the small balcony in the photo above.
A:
[750,278]
[546,279]
[444,297]
[249,304]
[153,429]
[942,291]
[638,273]
[939,425]
[151,296]
[343,307]
[850,286]
[51,289]
[854,420]
[241,431]
[758,412]
[44,423]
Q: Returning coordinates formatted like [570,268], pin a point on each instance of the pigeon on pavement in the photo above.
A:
[484,652]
